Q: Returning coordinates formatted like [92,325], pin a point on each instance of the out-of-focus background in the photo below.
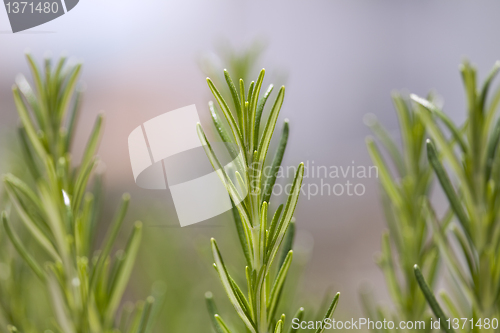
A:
[339,60]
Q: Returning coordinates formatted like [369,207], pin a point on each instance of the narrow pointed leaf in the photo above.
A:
[287,214]
[385,176]
[125,271]
[279,327]
[226,282]
[448,189]
[222,324]
[253,108]
[234,95]
[269,129]
[278,158]
[110,239]
[212,311]
[299,315]
[330,311]
[238,138]
[431,300]
[21,249]
[146,313]
[278,285]
[258,114]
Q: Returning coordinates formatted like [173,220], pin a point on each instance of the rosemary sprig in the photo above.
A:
[470,245]
[261,238]
[59,213]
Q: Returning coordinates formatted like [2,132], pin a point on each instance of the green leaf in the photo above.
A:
[389,268]
[258,114]
[234,95]
[386,178]
[287,242]
[262,231]
[51,204]
[260,298]
[58,303]
[287,215]
[439,138]
[278,158]
[233,192]
[212,311]
[455,132]
[269,129]
[241,233]
[92,143]
[21,249]
[226,282]
[73,119]
[453,265]
[486,85]
[238,138]
[146,312]
[278,286]
[22,187]
[110,239]
[299,315]
[30,96]
[31,226]
[279,327]
[448,189]
[431,300]
[384,137]
[123,276]
[222,324]
[218,123]
[28,155]
[253,109]
[274,222]
[39,87]
[69,90]
[27,123]
[491,150]
[330,311]
[221,129]
[244,113]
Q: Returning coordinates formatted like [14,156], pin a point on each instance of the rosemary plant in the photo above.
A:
[59,215]
[262,239]
[403,192]
[470,245]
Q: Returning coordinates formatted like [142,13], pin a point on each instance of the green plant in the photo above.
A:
[404,190]
[470,245]
[262,239]
[60,215]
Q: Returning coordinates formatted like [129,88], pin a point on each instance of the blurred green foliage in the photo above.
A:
[51,217]
[466,162]
[406,182]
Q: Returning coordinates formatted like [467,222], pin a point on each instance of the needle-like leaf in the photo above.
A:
[329,312]
[21,249]
[432,300]
[226,282]
[212,311]
[270,179]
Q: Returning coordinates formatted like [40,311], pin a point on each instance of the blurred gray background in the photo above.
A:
[342,59]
